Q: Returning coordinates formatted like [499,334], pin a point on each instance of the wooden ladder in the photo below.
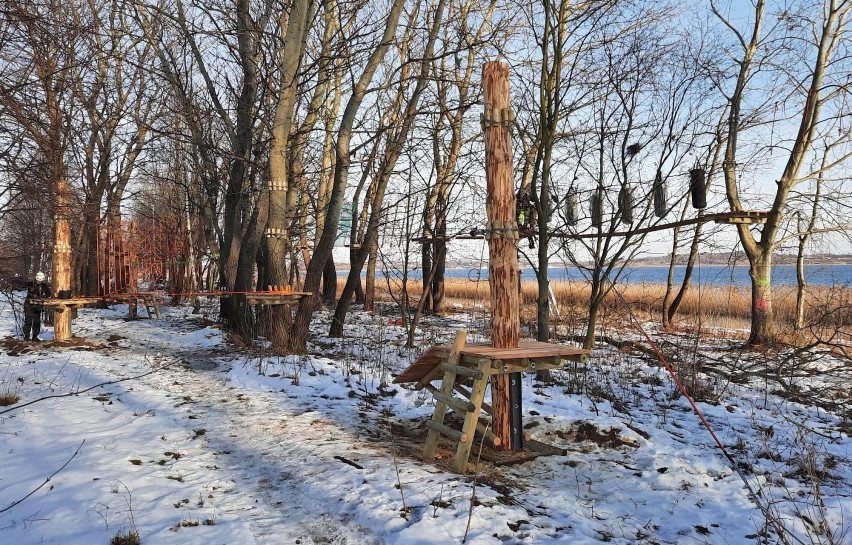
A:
[471,407]
[151,306]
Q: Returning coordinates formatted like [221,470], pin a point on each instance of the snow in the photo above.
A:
[195,441]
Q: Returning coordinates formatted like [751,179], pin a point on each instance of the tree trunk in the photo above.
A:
[671,311]
[329,283]
[801,284]
[762,322]
[307,306]
[61,274]
[595,302]
[279,316]
[370,280]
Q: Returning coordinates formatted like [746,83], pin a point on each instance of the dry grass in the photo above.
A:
[9,398]
[130,537]
[715,307]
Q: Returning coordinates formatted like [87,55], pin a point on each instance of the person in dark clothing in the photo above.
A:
[32,312]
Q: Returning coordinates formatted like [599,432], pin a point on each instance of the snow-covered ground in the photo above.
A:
[163,427]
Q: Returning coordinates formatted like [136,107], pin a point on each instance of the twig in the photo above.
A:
[473,488]
[348,461]
[52,475]
[396,467]
[78,392]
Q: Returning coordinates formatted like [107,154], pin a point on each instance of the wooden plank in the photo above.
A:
[446,431]
[441,408]
[275,298]
[458,404]
[460,370]
[471,419]
[427,361]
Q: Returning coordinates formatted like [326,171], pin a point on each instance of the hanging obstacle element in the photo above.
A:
[625,204]
[571,217]
[596,209]
[698,188]
[659,195]
[743,217]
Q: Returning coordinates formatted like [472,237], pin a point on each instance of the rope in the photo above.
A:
[783,533]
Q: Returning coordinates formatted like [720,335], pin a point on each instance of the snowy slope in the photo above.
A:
[194,441]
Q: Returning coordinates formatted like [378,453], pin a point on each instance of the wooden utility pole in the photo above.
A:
[61,274]
[502,229]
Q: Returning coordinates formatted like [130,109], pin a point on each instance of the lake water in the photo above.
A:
[723,275]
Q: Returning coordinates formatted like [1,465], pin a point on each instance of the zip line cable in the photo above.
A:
[783,533]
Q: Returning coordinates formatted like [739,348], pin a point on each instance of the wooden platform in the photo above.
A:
[276,298]
[477,362]
[150,301]
[529,356]
[60,305]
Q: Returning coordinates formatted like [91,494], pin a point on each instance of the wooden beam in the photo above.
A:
[471,420]
[441,429]
[460,370]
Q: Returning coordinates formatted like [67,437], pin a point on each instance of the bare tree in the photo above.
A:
[322,252]
[809,56]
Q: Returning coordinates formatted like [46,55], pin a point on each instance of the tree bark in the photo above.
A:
[314,274]
[279,316]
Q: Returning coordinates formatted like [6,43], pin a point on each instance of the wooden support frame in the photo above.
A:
[276,298]
[441,408]
[482,362]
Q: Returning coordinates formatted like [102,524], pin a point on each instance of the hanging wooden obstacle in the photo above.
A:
[596,209]
[698,188]
[658,194]
[452,364]
[625,204]
[571,216]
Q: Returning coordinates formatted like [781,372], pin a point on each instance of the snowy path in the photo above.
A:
[206,450]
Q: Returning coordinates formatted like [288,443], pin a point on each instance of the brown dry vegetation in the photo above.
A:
[712,307]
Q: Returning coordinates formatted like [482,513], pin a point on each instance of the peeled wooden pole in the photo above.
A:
[61,276]
[502,229]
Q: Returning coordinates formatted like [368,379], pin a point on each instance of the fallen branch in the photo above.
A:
[78,392]
[347,461]
[52,475]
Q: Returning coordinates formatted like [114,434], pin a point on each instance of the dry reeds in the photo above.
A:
[723,307]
